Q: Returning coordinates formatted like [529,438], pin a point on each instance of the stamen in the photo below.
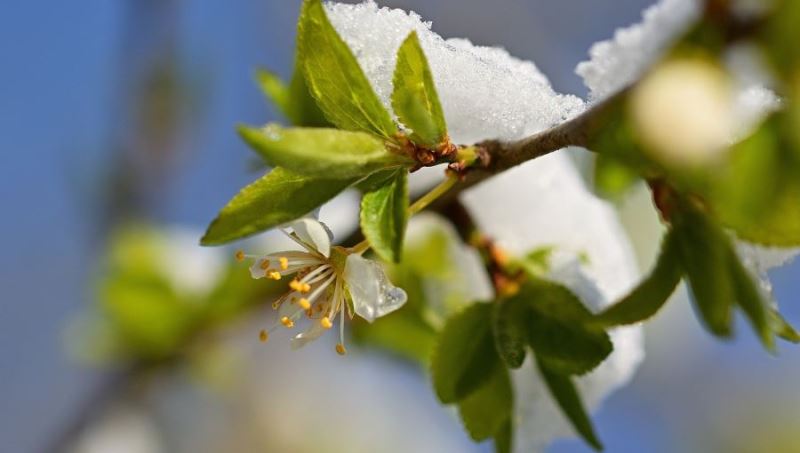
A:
[274,275]
[304,303]
[299,287]
[264,264]
[263,336]
[325,323]
[239,256]
[284,263]
[288,323]
[340,346]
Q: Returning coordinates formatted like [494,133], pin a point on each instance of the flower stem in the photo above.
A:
[417,206]
[431,196]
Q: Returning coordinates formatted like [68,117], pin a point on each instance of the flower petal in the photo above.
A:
[372,293]
[312,333]
[257,269]
[314,233]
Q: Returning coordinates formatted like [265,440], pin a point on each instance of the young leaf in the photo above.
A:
[276,198]
[384,215]
[566,395]
[651,294]
[557,329]
[334,77]
[414,98]
[502,438]
[612,178]
[294,101]
[752,304]
[509,325]
[487,409]
[276,90]
[705,253]
[328,153]
[465,357]
[782,328]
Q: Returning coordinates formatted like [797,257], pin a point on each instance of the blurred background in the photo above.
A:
[123,111]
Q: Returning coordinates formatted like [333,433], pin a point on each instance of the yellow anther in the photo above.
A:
[284,262]
[340,349]
[288,323]
[309,312]
[264,264]
[263,336]
[304,303]
[295,285]
[326,323]
[274,275]
[239,256]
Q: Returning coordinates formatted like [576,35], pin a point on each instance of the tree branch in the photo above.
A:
[578,131]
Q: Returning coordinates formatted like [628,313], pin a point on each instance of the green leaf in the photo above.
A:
[756,193]
[464,357]
[705,253]
[566,395]
[294,101]
[751,302]
[510,327]
[276,198]
[503,438]
[384,215]
[651,294]
[376,180]
[782,327]
[557,331]
[537,262]
[328,153]
[612,178]
[334,77]
[275,89]
[414,98]
[401,332]
[486,410]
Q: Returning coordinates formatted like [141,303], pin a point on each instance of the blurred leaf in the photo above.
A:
[566,395]
[556,328]
[705,252]
[503,438]
[334,77]
[752,303]
[415,100]
[779,35]
[324,153]
[612,178]
[537,262]
[276,198]
[464,356]
[782,327]
[756,194]
[401,332]
[487,410]
[646,299]
[294,101]
[510,327]
[384,215]
[275,90]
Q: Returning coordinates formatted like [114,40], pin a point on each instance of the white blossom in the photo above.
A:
[328,280]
